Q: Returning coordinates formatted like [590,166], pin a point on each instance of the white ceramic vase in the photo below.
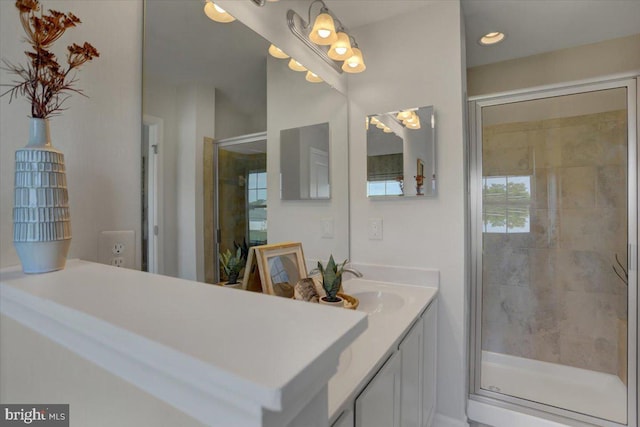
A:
[41,222]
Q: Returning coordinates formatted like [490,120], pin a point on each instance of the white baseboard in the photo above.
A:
[444,421]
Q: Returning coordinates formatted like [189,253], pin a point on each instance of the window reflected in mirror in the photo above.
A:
[401,153]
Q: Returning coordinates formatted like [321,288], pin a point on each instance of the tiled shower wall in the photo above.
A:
[550,293]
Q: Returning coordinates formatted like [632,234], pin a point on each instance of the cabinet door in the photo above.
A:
[429,319]
[379,403]
[344,420]
[411,349]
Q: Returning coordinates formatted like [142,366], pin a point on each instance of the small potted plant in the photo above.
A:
[331,281]
[232,264]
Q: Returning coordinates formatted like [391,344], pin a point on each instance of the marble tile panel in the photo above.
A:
[611,187]
[582,353]
[578,187]
[545,225]
[592,229]
[506,161]
[587,271]
[542,268]
[507,266]
[540,194]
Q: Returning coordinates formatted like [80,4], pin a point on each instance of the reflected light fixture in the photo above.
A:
[296,66]
[374,120]
[354,64]
[380,125]
[216,13]
[313,77]
[386,130]
[404,115]
[491,38]
[276,52]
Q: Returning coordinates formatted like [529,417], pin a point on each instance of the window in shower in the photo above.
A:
[551,218]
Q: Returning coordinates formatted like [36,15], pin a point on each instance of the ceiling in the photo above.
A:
[183,45]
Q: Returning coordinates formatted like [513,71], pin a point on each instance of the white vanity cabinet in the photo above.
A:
[379,403]
[402,393]
[418,391]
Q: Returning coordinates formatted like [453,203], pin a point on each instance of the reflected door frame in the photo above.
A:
[155,194]
[212,200]
[474,161]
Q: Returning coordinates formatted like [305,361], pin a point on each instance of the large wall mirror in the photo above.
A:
[401,148]
[213,95]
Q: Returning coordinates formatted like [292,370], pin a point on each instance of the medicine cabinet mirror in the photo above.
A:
[304,162]
[401,153]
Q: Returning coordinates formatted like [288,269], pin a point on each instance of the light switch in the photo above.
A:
[375,228]
[327,228]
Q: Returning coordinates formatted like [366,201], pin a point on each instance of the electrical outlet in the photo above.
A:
[375,228]
[117,248]
[117,261]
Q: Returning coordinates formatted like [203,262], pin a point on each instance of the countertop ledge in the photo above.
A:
[179,340]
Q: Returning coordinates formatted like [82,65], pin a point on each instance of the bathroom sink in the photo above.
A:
[379,302]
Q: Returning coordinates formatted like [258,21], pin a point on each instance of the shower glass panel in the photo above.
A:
[554,230]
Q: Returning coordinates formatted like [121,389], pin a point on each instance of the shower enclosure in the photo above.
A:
[553,199]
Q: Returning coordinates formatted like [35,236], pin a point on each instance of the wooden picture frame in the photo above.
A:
[278,264]
[251,279]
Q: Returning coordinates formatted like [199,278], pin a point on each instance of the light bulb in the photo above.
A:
[276,52]
[216,13]
[324,33]
[296,66]
[313,77]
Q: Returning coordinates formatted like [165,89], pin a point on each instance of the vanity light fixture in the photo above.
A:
[341,49]
[328,39]
[216,13]
[296,66]
[276,52]
[387,130]
[374,120]
[313,77]
[491,38]
[323,32]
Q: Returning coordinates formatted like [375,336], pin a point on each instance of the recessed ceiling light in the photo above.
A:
[491,38]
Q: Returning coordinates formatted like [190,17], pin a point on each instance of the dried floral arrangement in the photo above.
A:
[43,81]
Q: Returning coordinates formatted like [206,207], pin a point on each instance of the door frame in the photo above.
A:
[475,105]
[155,194]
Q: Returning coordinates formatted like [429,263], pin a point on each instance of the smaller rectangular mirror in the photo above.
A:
[401,148]
[304,163]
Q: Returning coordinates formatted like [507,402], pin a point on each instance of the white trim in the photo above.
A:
[194,387]
[155,257]
[554,86]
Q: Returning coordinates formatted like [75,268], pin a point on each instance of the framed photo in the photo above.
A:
[281,265]
[420,168]
[251,279]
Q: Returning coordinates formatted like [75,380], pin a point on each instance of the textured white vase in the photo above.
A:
[41,222]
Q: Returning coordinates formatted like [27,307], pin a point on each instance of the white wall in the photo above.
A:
[294,102]
[576,63]
[230,122]
[99,135]
[418,232]
[196,112]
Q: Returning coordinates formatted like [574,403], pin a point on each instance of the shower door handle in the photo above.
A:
[633,258]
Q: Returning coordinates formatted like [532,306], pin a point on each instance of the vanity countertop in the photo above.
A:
[392,309]
[222,343]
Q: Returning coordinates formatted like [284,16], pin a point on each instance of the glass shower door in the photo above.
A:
[552,223]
